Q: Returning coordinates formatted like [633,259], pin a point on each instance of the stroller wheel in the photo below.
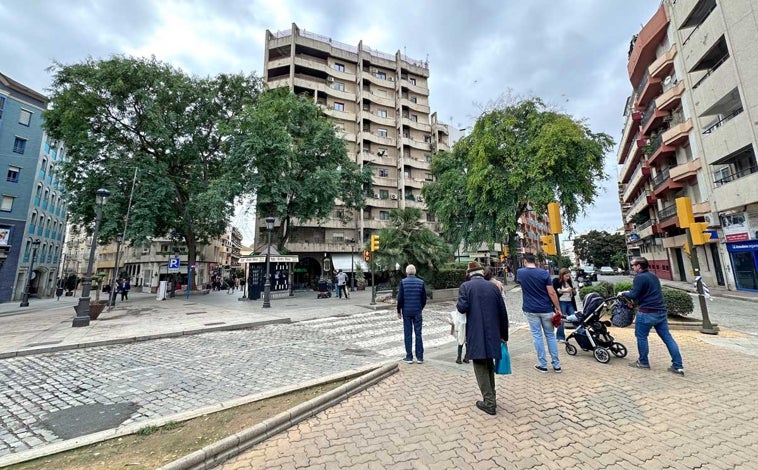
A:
[602,355]
[618,350]
[570,349]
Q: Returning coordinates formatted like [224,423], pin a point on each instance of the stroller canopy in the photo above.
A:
[592,301]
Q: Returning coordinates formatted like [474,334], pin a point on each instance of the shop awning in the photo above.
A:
[342,261]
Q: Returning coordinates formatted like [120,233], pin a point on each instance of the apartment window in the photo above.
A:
[384,173]
[384,194]
[339,86]
[427,138]
[2,105]
[414,117]
[427,158]
[24,117]
[338,237]
[339,106]
[339,67]
[412,80]
[7,204]
[381,132]
[13,172]
[381,75]
[413,99]
[381,113]
[384,215]
[19,145]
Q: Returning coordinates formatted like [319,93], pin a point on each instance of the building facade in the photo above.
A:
[689,132]
[32,210]
[380,102]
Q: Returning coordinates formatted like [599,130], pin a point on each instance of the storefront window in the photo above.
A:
[745,271]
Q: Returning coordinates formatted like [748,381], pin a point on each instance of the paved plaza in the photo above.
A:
[172,358]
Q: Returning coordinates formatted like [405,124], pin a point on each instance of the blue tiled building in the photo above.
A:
[32,205]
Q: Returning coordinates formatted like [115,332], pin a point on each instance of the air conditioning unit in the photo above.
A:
[393,196]
[420,199]
[713,220]
[376,196]
[392,79]
[330,79]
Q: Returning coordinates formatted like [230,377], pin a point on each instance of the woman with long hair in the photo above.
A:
[564,287]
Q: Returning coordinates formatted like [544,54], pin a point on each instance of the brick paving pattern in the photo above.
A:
[592,416]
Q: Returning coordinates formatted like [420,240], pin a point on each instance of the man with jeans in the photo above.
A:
[540,302]
[411,300]
[652,313]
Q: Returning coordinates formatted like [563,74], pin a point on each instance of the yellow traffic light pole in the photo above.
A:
[554,216]
[687,221]
[374,245]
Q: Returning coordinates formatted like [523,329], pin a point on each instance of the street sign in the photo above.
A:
[173,265]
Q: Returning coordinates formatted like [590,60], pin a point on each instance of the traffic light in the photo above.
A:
[548,244]
[684,212]
[554,216]
[374,242]
[699,236]
[367,256]
[506,251]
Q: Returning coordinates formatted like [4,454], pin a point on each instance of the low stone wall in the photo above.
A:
[444,295]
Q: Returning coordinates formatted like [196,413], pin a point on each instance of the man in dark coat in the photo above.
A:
[486,328]
[411,300]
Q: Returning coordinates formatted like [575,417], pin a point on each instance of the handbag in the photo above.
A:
[503,365]
[557,319]
[622,314]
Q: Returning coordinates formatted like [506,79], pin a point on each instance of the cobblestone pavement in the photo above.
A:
[592,416]
[46,398]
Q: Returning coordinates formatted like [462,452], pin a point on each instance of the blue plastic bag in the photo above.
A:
[503,365]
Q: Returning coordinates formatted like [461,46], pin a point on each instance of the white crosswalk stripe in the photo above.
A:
[380,331]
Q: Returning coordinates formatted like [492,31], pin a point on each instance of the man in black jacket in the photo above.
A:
[411,300]
[486,328]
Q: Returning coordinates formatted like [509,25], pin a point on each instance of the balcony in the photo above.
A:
[422,108]
[667,217]
[729,196]
[414,183]
[414,204]
[383,100]
[383,120]
[646,44]
[417,144]
[383,140]
[652,120]
[662,184]
[420,126]
[717,83]
[701,208]
[639,177]
[631,125]
[686,171]
[671,98]
[664,64]
[633,161]
[678,134]
[700,40]
[419,90]
[727,135]
[649,89]
[382,82]
[645,229]
[382,203]
[658,150]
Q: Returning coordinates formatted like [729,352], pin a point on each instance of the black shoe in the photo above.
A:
[490,410]
[465,361]
[458,360]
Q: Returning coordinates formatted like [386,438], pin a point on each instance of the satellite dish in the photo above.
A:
[667,81]
[34,275]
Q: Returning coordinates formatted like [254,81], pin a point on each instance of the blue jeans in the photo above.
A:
[412,325]
[643,323]
[567,308]
[539,324]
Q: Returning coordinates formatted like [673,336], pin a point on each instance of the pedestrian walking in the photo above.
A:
[123,289]
[458,330]
[540,302]
[564,287]
[652,313]
[488,276]
[486,327]
[411,300]
[342,284]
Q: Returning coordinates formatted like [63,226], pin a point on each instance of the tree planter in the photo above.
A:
[95,309]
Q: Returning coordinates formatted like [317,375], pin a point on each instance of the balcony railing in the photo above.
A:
[667,212]
[710,71]
[735,176]
[644,225]
[660,178]
[649,113]
[723,121]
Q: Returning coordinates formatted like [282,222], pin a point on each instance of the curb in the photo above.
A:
[218,452]
[134,339]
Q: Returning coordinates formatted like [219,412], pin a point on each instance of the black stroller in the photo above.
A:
[591,332]
[324,292]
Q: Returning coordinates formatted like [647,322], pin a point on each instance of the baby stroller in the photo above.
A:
[324,292]
[592,334]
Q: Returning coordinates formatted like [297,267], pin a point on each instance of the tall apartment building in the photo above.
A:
[32,210]
[380,102]
[689,131]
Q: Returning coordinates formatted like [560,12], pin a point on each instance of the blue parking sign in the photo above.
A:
[174,263]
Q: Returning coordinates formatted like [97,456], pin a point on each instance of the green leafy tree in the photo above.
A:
[291,157]
[407,240]
[518,157]
[601,248]
[123,113]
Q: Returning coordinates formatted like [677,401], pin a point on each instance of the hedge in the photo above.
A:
[677,302]
[449,277]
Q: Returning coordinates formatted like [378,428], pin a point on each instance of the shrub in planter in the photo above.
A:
[604,288]
[450,277]
[678,302]
[622,286]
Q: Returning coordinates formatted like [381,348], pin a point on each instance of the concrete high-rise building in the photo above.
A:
[689,131]
[380,103]
[32,209]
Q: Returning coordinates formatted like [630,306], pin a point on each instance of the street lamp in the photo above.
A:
[352,265]
[114,281]
[25,298]
[267,286]
[82,309]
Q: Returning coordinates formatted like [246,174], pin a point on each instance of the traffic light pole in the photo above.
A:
[558,251]
[372,267]
[707,328]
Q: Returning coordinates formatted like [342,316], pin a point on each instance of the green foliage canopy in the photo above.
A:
[601,248]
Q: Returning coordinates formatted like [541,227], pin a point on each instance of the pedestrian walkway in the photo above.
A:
[591,416]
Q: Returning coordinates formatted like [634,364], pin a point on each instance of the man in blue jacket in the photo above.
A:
[411,300]
[652,313]
[486,328]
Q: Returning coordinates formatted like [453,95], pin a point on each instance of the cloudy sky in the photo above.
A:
[572,53]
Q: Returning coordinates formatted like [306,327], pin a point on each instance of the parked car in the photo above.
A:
[589,272]
[607,271]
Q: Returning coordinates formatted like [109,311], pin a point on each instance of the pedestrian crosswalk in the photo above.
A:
[379,331]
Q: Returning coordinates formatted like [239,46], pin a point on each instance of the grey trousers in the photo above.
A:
[484,370]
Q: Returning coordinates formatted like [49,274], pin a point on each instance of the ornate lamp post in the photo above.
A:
[114,281]
[267,287]
[82,310]
[25,298]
